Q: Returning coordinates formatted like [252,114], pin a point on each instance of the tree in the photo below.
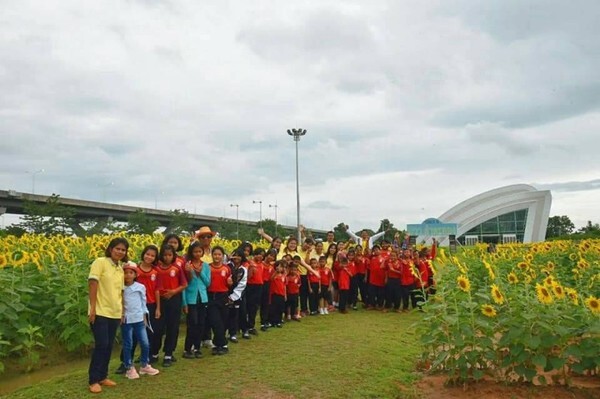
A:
[139,222]
[559,226]
[49,218]
[590,228]
[180,223]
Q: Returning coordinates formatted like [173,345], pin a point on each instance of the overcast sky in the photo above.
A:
[410,106]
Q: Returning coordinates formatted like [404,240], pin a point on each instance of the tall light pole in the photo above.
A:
[296,134]
[156,198]
[259,202]
[33,179]
[275,207]
[237,220]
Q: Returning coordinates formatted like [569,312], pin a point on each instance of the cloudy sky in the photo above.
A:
[410,106]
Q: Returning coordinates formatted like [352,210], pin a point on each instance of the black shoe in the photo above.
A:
[153,359]
[224,350]
[188,355]
[122,369]
[233,339]
[354,307]
[197,354]
[264,328]
[167,362]
[215,351]
[173,358]
[246,335]
[253,331]
[315,313]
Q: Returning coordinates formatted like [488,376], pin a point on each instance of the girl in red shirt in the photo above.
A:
[377,279]
[218,291]
[175,241]
[314,287]
[171,283]
[268,271]
[393,286]
[254,288]
[326,286]
[278,295]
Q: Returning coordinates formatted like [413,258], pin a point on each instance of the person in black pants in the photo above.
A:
[253,291]
[235,300]
[278,295]
[218,291]
[268,270]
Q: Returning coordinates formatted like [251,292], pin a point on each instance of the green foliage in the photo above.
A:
[30,342]
[559,226]
[180,223]
[50,218]
[139,222]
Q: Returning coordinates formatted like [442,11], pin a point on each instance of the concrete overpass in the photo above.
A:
[13,202]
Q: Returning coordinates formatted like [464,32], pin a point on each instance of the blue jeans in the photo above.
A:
[127,332]
[104,330]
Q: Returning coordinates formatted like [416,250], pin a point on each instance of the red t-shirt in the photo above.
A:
[377,271]
[255,273]
[313,279]
[268,271]
[394,269]
[218,279]
[180,261]
[344,278]
[278,285]
[170,278]
[423,267]
[361,265]
[150,281]
[293,284]
[407,277]
[326,276]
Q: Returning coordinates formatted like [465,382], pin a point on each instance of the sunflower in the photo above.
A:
[529,257]
[543,294]
[572,294]
[512,278]
[558,290]
[497,295]
[488,310]
[583,264]
[3,261]
[524,266]
[573,257]
[463,283]
[549,281]
[490,270]
[593,304]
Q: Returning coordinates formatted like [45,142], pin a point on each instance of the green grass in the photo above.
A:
[358,355]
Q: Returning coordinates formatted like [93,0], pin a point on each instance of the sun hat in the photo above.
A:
[131,266]
[204,230]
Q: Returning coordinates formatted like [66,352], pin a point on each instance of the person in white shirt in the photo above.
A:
[364,241]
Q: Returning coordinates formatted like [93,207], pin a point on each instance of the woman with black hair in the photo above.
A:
[105,281]
[236,299]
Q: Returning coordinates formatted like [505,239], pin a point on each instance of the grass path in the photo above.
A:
[358,355]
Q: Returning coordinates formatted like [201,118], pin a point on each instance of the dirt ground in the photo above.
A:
[432,387]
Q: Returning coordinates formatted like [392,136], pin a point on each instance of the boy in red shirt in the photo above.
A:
[359,278]
[268,271]
[293,290]
[407,280]
[345,274]
[314,287]
[254,289]
[393,286]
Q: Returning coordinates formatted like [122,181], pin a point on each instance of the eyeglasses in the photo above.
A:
[206,236]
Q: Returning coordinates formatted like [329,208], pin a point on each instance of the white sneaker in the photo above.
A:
[321,311]
[208,344]
[132,373]
[148,370]
[325,311]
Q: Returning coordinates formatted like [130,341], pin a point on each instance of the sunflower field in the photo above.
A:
[44,290]
[528,312]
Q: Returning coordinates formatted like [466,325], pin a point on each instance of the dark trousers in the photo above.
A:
[362,288]
[104,330]
[264,303]
[233,318]
[325,294]
[167,325]
[343,299]
[304,293]
[243,317]
[277,308]
[406,294]
[376,295]
[217,316]
[292,304]
[196,318]
[393,292]
[313,301]
[253,298]
[353,294]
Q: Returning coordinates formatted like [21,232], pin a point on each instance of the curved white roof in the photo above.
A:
[482,207]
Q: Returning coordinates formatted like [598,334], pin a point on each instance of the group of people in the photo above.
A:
[226,296]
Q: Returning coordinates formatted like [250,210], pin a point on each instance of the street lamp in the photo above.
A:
[33,179]
[296,134]
[259,202]
[156,198]
[275,207]
[237,220]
